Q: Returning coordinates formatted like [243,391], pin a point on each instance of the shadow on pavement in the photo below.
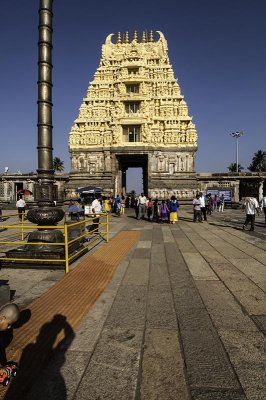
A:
[35,357]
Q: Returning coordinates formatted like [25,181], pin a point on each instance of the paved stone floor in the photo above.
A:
[184,317]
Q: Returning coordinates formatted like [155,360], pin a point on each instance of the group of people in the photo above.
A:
[155,210]
[204,205]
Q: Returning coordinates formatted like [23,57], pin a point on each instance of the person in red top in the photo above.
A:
[149,208]
[209,204]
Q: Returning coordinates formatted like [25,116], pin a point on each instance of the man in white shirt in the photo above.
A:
[251,206]
[142,202]
[96,206]
[21,204]
[197,208]
[263,206]
[203,206]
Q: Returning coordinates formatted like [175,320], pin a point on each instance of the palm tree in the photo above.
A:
[58,164]
[258,163]
[232,167]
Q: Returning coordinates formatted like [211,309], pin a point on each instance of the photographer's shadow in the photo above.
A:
[33,369]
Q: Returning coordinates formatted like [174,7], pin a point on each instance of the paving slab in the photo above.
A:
[247,354]
[137,272]
[129,308]
[144,244]
[163,369]
[160,309]
[198,267]
[167,234]
[251,268]
[224,308]
[114,367]
[222,394]
[206,360]
[260,321]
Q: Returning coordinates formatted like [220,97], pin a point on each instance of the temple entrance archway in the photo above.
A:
[134,116]
[126,161]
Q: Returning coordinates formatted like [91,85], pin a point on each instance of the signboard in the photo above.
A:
[227,194]
[87,210]
[218,192]
[213,192]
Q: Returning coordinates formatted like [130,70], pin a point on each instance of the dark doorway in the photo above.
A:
[18,186]
[138,162]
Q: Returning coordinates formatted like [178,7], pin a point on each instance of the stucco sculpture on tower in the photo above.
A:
[134,106]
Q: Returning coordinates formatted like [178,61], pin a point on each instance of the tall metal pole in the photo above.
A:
[237,153]
[46,214]
[45,189]
[236,135]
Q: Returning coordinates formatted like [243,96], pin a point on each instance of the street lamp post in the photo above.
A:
[236,135]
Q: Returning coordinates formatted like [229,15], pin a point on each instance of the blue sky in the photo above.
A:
[216,47]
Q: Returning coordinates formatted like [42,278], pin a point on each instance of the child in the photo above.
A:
[9,314]
[173,208]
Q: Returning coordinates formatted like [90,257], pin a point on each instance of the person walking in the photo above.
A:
[106,204]
[214,203]
[221,204]
[263,206]
[117,205]
[251,206]
[96,206]
[209,204]
[197,208]
[142,201]
[173,208]
[203,206]
[149,209]
[123,204]
[156,211]
[21,205]
[164,211]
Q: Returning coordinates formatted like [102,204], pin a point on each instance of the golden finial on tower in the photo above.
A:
[119,39]
[151,37]
[126,38]
[135,36]
[143,39]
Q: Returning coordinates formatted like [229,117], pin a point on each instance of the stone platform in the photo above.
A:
[183,317]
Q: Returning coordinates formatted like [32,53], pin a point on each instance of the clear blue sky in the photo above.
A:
[217,49]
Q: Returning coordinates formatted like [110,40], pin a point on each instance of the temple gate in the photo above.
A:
[134,115]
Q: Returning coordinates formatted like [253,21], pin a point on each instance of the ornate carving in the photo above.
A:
[140,72]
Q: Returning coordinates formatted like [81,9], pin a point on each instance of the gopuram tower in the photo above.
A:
[134,116]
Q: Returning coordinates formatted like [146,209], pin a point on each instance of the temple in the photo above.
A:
[134,115]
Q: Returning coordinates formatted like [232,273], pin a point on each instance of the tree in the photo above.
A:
[232,167]
[258,163]
[58,164]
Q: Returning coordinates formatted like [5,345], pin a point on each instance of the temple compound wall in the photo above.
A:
[241,184]
[134,115]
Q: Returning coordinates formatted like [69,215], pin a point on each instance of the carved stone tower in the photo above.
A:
[134,116]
